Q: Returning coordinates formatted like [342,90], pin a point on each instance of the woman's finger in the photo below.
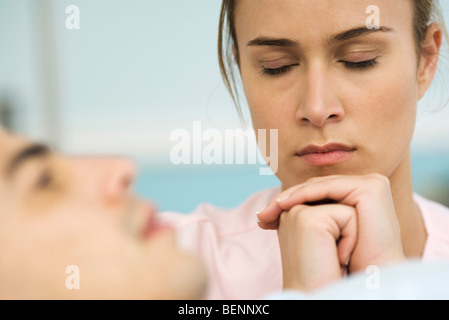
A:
[342,189]
[268,217]
[315,242]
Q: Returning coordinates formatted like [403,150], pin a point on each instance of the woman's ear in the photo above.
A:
[235,54]
[429,58]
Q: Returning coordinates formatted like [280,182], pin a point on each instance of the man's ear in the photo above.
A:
[429,58]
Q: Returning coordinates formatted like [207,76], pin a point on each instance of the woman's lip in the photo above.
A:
[328,154]
[323,149]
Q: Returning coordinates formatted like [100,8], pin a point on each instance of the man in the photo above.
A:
[70,228]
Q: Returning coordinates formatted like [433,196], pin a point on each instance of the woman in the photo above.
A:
[71,229]
[343,96]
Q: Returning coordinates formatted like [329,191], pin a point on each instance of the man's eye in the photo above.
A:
[45,180]
[277,71]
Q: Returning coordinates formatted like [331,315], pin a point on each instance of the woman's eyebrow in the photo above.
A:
[26,154]
[267,41]
[339,37]
[356,32]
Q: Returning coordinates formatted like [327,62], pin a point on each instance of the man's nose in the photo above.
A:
[110,178]
[120,175]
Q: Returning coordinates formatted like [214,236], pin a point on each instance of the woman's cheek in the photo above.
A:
[388,119]
[395,104]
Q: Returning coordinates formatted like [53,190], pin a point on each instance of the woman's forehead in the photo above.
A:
[296,17]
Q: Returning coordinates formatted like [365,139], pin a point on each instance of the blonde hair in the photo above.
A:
[426,12]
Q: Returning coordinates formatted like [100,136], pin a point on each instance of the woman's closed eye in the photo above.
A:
[360,65]
[357,66]
[278,71]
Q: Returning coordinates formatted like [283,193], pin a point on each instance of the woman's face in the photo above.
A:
[342,96]
[58,212]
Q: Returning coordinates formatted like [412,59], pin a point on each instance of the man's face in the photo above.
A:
[57,212]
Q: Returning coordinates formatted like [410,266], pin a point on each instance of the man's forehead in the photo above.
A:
[9,144]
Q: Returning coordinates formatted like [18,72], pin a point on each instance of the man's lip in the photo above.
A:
[153,225]
[331,147]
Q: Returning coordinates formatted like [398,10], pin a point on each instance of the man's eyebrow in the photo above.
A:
[342,36]
[27,153]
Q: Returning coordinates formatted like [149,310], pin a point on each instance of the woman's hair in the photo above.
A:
[426,12]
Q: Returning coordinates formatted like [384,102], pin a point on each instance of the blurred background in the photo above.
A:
[133,72]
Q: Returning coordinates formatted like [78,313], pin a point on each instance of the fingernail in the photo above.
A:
[279,200]
[260,211]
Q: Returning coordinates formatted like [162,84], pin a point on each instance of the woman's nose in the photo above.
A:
[319,104]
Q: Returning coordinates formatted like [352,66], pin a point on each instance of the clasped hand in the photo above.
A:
[331,225]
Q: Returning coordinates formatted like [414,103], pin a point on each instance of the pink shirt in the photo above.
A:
[244,261]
